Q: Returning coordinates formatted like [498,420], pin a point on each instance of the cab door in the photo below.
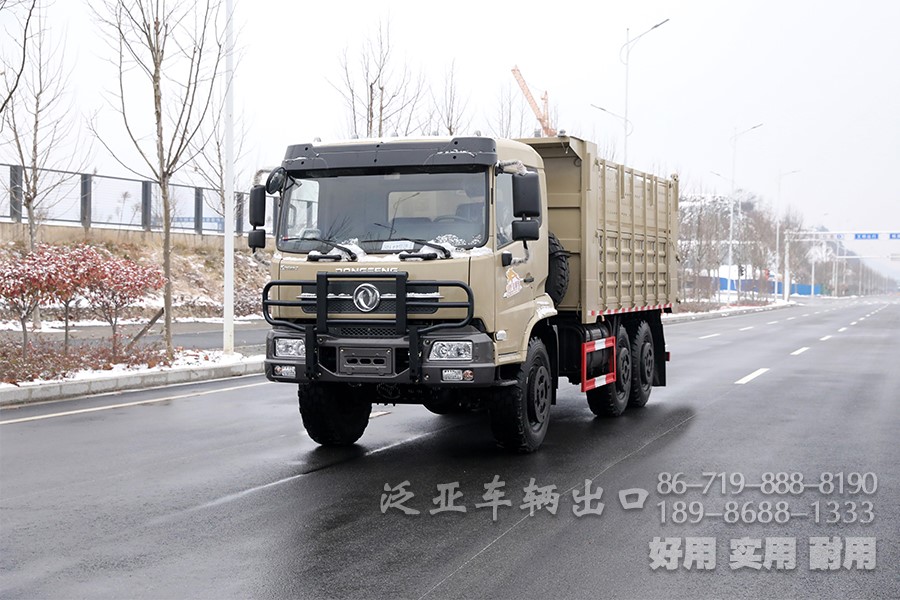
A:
[515,282]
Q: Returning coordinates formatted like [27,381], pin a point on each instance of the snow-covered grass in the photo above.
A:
[184,359]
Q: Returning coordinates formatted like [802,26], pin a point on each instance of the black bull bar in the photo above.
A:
[398,320]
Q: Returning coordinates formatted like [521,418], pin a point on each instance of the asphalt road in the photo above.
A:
[213,490]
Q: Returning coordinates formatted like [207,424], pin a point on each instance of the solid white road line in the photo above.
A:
[825,339]
[800,351]
[127,404]
[750,377]
[706,337]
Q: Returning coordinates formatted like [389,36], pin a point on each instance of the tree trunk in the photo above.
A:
[66,334]
[164,176]
[23,321]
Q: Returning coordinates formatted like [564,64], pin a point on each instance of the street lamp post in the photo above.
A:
[734,140]
[778,231]
[626,47]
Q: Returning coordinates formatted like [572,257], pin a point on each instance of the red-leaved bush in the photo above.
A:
[25,282]
[114,284]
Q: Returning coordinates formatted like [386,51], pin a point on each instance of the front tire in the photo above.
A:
[520,413]
[611,400]
[333,414]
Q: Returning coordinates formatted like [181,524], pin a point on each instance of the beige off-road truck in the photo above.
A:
[463,273]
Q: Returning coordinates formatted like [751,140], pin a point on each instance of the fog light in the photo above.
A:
[451,375]
[468,375]
[451,351]
[293,347]
[285,371]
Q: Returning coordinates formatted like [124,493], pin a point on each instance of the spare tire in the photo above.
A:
[558,271]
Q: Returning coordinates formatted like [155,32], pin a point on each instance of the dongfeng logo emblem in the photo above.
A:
[366,297]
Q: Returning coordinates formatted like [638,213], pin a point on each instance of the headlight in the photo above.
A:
[294,347]
[451,351]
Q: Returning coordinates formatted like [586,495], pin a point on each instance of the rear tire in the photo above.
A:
[333,414]
[643,361]
[611,400]
[520,413]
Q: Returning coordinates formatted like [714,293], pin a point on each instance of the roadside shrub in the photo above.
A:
[45,359]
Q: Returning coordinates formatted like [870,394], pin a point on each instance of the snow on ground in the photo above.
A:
[184,359]
[60,326]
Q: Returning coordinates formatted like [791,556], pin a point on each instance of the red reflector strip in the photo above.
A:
[668,356]
[599,345]
[599,382]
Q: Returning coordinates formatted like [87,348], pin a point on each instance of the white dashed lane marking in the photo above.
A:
[706,337]
[750,377]
[800,351]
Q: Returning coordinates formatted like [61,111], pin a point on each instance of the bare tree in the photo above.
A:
[173,52]
[381,97]
[509,120]
[208,160]
[44,138]
[450,108]
[12,67]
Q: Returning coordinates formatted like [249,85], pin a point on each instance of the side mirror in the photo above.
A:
[526,195]
[257,213]
[526,230]
[256,239]
[275,182]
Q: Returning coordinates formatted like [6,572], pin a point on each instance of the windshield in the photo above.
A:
[385,213]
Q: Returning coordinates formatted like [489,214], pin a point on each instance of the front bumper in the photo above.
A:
[382,360]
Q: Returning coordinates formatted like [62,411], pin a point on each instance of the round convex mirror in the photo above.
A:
[275,182]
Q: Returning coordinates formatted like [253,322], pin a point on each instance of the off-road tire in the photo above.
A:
[558,270]
[520,413]
[333,414]
[611,400]
[643,365]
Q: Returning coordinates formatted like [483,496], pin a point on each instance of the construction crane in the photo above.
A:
[543,117]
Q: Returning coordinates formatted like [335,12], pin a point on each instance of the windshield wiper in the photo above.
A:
[330,243]
[443,249]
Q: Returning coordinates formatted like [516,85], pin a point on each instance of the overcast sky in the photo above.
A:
[821,76]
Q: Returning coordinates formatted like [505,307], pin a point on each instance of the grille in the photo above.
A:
[348,331]
[385,307]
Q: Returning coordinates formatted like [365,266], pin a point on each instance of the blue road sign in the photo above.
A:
[865,236]
[895,236]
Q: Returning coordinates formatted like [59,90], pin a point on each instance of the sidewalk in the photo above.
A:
[234,366]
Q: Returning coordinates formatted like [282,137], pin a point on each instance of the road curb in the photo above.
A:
[63,390]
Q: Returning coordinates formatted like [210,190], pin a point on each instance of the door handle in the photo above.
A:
[528,279]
